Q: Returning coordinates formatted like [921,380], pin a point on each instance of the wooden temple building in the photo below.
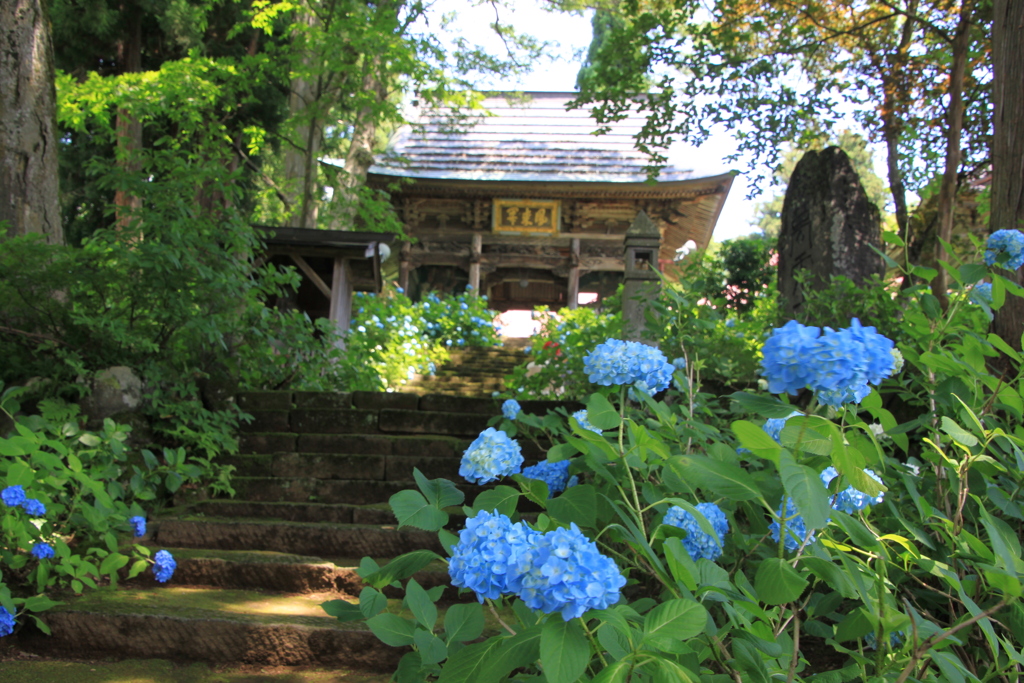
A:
[526,204]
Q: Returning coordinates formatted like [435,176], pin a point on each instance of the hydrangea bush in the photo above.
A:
[702,545]
[70,500]
[392,338]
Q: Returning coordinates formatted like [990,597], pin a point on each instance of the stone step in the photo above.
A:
[209,625]
[297,538]
[290,512]
[343,466]
[334,491]
[282,573]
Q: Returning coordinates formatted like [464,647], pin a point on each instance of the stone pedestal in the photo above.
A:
[641,280]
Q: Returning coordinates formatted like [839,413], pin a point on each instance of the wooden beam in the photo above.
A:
[311,274]
[574,274]
[474,264]
[404,266]
[341,295]
[506,261]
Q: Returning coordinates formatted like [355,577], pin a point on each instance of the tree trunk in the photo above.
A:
[28,127]
[1008,146]
[129,129]
[360,151]
[954,127]
[302,154]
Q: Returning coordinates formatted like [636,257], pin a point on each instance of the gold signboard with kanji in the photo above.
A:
[526,215]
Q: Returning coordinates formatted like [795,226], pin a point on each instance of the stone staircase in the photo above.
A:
[312,483]
[470,372]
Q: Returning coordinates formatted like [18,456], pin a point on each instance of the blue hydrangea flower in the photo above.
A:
[164,566]
[486,555]
[981,293]
[138,526]
[33,507]
[796,528]
[491,456]
[785,353]
[1009,242]
[896,639]
[850,500]
[581,417]
[839,365]
[563,571]
[41,551]
[6,622]
[617,362]
[510,409]
[773,427]
[698,543]
[13,495]
[679,363]
[554,474]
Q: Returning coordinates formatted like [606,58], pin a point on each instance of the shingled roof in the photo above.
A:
[530,138]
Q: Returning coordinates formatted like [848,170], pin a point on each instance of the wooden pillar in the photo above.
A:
[474,263]
[341,295]
[574,273]
[404,266]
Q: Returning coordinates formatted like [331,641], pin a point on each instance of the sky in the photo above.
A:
[571,35]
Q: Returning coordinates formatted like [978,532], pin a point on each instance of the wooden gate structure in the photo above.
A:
[528,206]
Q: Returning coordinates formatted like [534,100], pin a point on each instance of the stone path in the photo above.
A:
[313,479]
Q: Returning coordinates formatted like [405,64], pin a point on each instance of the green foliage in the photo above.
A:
[931,573]
[90,483]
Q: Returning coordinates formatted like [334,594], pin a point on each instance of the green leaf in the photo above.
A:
[464,621]
[468,664]
[892,238]
[402,567]
[420,604]
[516,652]
[723,479]
[534,489]
[431,648]
[113,562]
[501,498]
[342,610]
[804,485]
[601,413]
[798,435]
[371,602]
[561,451]
[668,671]
[755,440]
[40,603]
[439,492]
[777,583]
[680,563]
[616,672]
[859,534]
[958,433]
[973,272]
[564,650]
[576,504]
[764,406]
[412,509]
[392,629]
[674,620]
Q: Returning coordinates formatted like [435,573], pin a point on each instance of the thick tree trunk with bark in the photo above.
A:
[1008,146]
[129,129]
[28,126]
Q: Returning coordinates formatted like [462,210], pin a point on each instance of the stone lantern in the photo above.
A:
[641,280]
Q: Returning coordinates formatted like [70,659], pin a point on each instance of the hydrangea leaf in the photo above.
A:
[564,651]
[420,604]
[439,492]
[392,629]
[958,433]
[673,621]
[561,451]
[669,671]
[519,651]
[777,583]
[500,498]
[859,534]
[535,490]
[468,664]
[755,440]
[431,648]
[412,509]
[808,493]
[800,436]
[616,672]
[464,621]
[577,504]
[764,406]
[721,478]
[342,610]
[371,602]
[601,413]
[402,567]
[680,563]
